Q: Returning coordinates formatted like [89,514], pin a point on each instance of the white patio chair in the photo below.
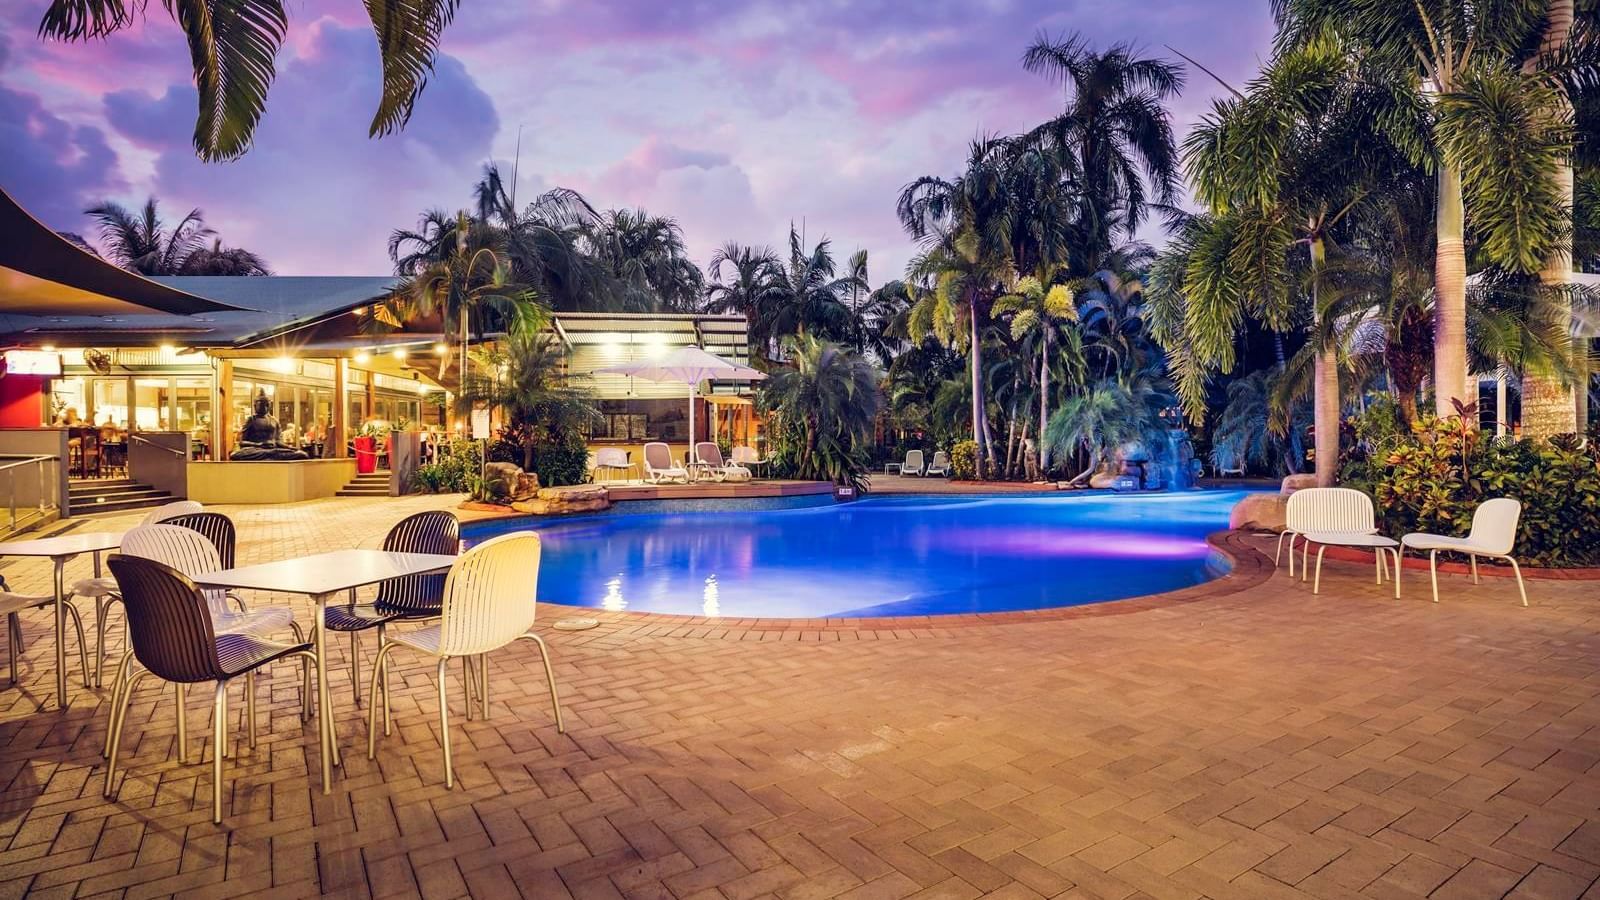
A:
[940,465]
[710,457]
[11,604]
[747,457]
[488,603]
[913,464]
[659,467]
[1330,511]
[171,511]
[191,554]
[611,459]
[1493,535]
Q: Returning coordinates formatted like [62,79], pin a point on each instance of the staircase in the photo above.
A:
[104,495]
[373,484]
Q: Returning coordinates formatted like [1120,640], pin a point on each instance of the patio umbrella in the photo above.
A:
[690,365]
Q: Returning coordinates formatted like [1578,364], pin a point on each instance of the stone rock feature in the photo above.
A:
[1292,483]
[1260,512]
[563,501]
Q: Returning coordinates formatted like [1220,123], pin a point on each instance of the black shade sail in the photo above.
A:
[44,274]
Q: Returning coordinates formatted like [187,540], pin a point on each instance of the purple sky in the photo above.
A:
[733,117]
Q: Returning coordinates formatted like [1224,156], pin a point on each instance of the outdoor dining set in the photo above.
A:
[175,579]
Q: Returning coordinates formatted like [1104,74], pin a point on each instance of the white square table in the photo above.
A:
[59,550]
[323,577]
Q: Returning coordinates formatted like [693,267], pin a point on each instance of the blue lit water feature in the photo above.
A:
[881,556]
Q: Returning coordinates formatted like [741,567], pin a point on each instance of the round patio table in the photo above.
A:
[59,550]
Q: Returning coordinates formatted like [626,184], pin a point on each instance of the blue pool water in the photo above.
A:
[881,556]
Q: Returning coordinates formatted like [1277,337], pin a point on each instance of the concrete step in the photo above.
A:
[120,503]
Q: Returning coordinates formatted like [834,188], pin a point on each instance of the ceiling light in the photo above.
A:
[362,357]
[398,353]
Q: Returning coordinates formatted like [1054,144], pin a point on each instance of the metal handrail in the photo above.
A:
[44,491]
[144,440]
[26,460]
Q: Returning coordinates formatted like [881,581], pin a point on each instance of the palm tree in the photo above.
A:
[524,377]
[855,285]
[220,260]
[1117,132]
[1107,415]
[645,257]
[542,240]
[805,296]
[882,321]
[965,225]
[1494,134]
[1246,432]
[233,46]
[1038,312]
[751,273]
[141,242]
[825,401]
[469,289]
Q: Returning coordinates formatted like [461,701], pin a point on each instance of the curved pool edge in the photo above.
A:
[1248,567]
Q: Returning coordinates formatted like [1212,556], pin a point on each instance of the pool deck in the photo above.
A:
[1241,739]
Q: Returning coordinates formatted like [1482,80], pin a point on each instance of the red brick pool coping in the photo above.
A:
[1250,568]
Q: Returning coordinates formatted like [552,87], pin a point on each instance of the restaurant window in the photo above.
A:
[635,421]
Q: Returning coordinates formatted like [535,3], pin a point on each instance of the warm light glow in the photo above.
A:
[440,349]
[48,348]
[284,364]
[359,311]
[398,353]
[168,349]
[362,356]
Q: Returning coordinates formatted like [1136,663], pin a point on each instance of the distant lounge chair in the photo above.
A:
[913,464]
[658,465]
[1493,534]
[940,464]
[710,457]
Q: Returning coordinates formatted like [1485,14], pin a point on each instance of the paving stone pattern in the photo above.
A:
[1239,742]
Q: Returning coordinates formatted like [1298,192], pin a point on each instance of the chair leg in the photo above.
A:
[101,606]
[550,677]
[11,645]
[380,665]
[444,721]
[250,708]
[1305,561]
[119,714]
[355,669]
[1316,584]
[1474,558]
[219,737]
[1433,572]
[1521,588]
[383,678]
[1394,553]
[183,722]
[307,667]
[118,685]
[483,689]
[1379,565]
[469,680]
[83,645]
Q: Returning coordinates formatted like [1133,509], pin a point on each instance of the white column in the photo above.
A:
[1500,405]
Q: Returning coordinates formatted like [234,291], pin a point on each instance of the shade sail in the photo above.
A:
[44,274]
[690,365]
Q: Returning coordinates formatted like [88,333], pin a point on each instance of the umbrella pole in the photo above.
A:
[689,456]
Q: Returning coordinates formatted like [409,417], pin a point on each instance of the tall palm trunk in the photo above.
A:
[1044,398]
[1450,298]
[976,358]
[1325,389]
[1550,407]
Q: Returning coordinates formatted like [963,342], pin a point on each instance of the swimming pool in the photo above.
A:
[881,556]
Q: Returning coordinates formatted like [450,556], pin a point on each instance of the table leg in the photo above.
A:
[61,629]
[324,719]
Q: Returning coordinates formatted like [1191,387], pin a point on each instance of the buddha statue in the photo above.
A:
[259,440]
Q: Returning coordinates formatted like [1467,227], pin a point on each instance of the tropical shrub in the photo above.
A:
[456,469]
[1434,477]
[964,460]
[824,402]
[564,460]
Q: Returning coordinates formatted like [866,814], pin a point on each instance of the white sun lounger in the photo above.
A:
[658,465]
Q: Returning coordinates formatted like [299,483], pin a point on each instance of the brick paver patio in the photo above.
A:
[1254,743]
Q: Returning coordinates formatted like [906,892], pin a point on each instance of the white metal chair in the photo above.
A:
[659,467]
[172,511]
[914,464]
[1331,510]
[488,603]
[940,465]
[191,553]
[612,459]
[1493,535]
[11,604]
